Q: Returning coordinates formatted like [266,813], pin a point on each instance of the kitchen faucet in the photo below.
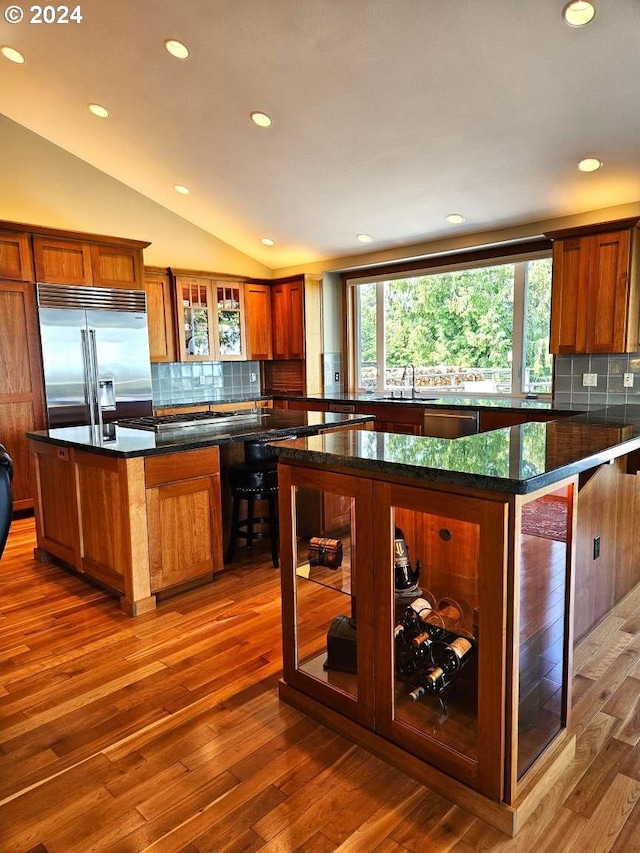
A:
[413,377]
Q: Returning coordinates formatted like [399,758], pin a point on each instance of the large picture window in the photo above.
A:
[472,330]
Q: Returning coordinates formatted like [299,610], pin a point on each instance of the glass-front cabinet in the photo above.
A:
[210,319]
[436,619]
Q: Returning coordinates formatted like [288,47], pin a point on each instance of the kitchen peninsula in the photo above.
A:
[140,512]
[492,518]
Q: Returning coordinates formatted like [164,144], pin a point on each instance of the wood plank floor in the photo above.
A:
[165,733]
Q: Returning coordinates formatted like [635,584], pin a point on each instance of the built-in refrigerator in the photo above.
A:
[95,354]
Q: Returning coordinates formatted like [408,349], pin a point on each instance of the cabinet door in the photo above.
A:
[257,302]
[280,317]
[230,339]
[195,318]
[569,295]
[296,319]
[117,266]
[21,393]
[15,256]
[161,316]
[461,598]
[327,615]
[608,303]
[56,508]
[62,261]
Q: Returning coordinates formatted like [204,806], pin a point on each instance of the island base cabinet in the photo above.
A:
[439,636]
[138,527]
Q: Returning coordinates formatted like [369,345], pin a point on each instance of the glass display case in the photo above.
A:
[230,332]
[211,319]
[436,619]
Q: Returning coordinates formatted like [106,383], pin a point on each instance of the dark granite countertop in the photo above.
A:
[264,424]
[515,460]
[428,399]
[213,402]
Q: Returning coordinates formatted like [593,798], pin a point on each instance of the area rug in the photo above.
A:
[546,517]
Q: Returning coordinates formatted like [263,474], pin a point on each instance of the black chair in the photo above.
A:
[255,479]
[6,500]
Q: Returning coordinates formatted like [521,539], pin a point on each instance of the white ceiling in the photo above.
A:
[387,114]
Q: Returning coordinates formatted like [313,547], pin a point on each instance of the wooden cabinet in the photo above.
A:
[394,417]
[351,638]
[183,517]
[288,319]
[15,256]
[257,301]
[160,314]
[211,321]
[81,261]
[21,390]
[595,298]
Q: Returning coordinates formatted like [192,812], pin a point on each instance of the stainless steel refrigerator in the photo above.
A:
[95,353]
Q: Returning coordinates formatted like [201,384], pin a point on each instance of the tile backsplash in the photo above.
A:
[201,381]
[610,369]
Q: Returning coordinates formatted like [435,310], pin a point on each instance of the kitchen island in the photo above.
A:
[140,512]
[461,676]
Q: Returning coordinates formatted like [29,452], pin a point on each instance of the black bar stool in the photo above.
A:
[255,479]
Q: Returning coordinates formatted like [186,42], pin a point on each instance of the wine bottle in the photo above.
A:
[413,617]
[443,620]
[451,656]
[433,682]
[421,646]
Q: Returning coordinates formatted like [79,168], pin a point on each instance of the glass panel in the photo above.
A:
[229,327]
[538,361]
[367,336]
[196,319]
[435,566]
[542,651]
[325,588]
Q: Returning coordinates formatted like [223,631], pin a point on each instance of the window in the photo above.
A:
[480,329]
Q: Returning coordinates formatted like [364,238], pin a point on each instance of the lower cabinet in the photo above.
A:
[137,526]
[409,620]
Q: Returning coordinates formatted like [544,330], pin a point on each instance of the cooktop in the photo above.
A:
[162,423]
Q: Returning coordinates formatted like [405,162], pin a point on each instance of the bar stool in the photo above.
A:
[255,479]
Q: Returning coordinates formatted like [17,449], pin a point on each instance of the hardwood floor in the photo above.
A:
[165,733]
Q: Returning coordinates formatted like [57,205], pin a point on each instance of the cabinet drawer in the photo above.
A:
[174,467]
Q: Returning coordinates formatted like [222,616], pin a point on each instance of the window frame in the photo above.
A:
[476,260]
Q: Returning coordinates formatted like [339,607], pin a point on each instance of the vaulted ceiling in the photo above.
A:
[387,115]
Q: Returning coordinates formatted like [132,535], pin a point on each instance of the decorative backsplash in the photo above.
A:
[610,369]
[201,381]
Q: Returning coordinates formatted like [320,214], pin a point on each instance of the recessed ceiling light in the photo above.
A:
[454,219]
[97,110]
[179,188]
[261,119]
[590,164]
[578,13]
[364,238]
[12,54]
[176,48]
[267,241]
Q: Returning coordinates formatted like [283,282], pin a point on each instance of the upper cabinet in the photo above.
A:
[62,261]
[15,256]
[257,301]
[288,319]
[595,303]
[160,314]
[211,324]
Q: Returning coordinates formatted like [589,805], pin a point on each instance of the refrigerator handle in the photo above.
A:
[88,380]
[96,379]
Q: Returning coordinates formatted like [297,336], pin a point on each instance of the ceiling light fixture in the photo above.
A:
[261,119]
[364,238]
[176,48]
[578,13]
[590,164]
[12,54]
[454,218]
[267,241]
[180,188]
[97,110]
